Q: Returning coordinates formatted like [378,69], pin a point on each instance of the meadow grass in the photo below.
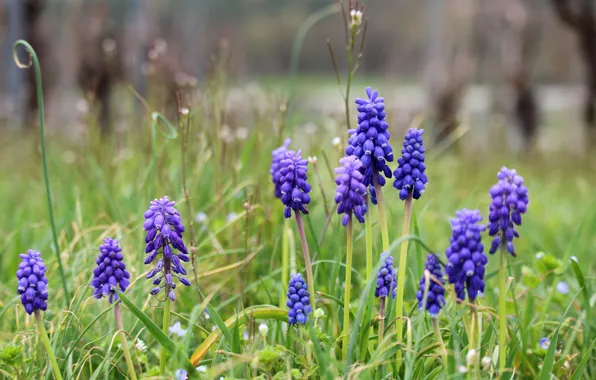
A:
[102,188]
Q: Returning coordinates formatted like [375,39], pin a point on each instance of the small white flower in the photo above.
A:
[471,357]
[312,160]
[242,133]
[566,364]
[206,313]
[563,287]
[486,363]
[180,374]
[201,217]
[231,216]
[539,255]
[355,18]
[202,369]
[213,328]
[263,330]
[336,141]
[176,328]
[245,335]
[184,111]
[141,346]
[319,313]
[574,258]
[462,369]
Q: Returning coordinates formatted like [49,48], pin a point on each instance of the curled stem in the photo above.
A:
[34,61]
[43,334]
[123,341]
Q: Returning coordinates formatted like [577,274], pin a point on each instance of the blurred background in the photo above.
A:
[523,68]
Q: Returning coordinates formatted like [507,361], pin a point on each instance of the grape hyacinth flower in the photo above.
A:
[370,141]
[32,286]
[110,271]
[386,278]
[466,260]
[278,155]
[164,235]
[298,300]
[509,201]
[435,299]
[410,177]
[350,189]
[293,183]
[32,282]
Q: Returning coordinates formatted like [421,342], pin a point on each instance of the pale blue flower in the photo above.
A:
[544,343]
[563,287]
[177,329]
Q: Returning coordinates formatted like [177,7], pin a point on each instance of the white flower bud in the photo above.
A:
[355,18]
[263,330]
[486,363]
[471,357]
[319,313]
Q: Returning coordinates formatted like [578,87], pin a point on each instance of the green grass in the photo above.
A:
[102,188]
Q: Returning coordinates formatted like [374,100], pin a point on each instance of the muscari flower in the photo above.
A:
[350,191]
[466,260]
[32,282]
[370,141]
[410,176]
[294,186]
[435,298]
[164,236]
[110,272]
[278,155]
[509,201]
[298,300]
[386,278]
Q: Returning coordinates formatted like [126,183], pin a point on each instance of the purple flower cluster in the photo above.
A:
[164,235]
[298,300]
[370,140]
[350,190]
[509,201]
[293,183]
[435,298]
[110,271]
[278,155]
[386,278]
[466,260]
[32,282]
[409,175]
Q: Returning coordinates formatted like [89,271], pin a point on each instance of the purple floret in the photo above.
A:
[410,176]
[298,300]
[110,272]
[278,155]
[294,186]
[350,192]
[386,278]
[435,298]
[32,282]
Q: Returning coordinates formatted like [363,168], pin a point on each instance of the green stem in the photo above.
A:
[502,308]
[442,349]
[165,327]
[381,320]
[369,249]
[307,263]
[401,277]
[348,285]
[285,263]
[382,216]
[46,342]
[39,90]
[124,342]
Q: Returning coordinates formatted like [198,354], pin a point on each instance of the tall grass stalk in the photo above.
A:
[348,286]
[285,262]
[382,216]
[123,341]
[166,324]
[439,337]
[401,276]
[307,263]
[34,61]
[502,307]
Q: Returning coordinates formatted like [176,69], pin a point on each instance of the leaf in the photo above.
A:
[160,336]
[586,295]
[549,360]
[258,312]
[585,357]
[322,356]
[220,323]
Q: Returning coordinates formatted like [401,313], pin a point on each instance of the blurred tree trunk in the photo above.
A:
[516,45]
[448,80]
[579,16]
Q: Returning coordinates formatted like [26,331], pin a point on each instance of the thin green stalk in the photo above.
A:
[34,61]
[369,238]
[442,349]
[46,342]
[307,263]
[474,334]
[401,277]
[348,285]
[285,263]
[502,308]
[381,320]
[382,216]
[123,342]
[165,327]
